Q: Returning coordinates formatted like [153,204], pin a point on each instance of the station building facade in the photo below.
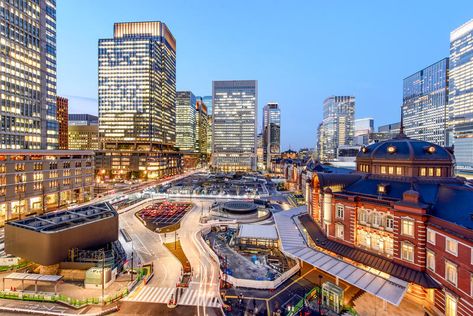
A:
[401,212]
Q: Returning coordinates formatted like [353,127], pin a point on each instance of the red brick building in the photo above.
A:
[403,213]
[62,114]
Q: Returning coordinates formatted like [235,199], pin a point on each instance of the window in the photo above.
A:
[362,216]
[399,171]
[376,219]
[339,230]
[391,170]
[422,172]
[450,305]
[431,172]
[340,211]
[438,172]
[431,236]
[430,260]
[451,272]
[383,169]
[390,222]
[451,246]
[407,252]
[431,295]
[407,227]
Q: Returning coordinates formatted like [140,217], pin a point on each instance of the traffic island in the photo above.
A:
[176,249]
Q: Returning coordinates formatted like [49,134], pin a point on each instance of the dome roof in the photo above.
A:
[404,148]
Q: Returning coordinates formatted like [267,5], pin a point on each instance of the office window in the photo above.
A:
[340,211]
[407,251]
[450,305]
[407,227]
[430,260]
[339,230]
[451,272]
[451,246]
[431,236]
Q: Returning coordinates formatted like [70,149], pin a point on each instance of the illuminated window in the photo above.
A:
[399,171]
[438,172]
[340,211]
[450,305]
[407,227]
[431,236]
[430,260]
[376,219]
[451,246]
[362,216]
[431,172]
[339,230]
[422,172]
[451,272]
[407,251]
[383,169]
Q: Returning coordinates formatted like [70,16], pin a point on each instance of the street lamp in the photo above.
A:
[320,293]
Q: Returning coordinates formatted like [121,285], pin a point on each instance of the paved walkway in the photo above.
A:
[368,305]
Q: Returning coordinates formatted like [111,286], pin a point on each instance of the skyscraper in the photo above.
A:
[202,126]
[271,132]
[338,126]
[234,125]
[425,102]
[28,46]
[137,102]
[62,115]
[461,94]
[137,84]
[363,128]
[186,121]
[208,102]
[83,132]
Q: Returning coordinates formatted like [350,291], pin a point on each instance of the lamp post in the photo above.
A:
[132,254]
[103,276]
[320,293]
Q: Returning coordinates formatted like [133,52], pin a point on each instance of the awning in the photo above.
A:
[33,277]
[293,244]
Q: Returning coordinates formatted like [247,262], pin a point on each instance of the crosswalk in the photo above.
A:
[189,297]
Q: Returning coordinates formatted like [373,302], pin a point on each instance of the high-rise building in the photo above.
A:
[234,125]
[338,125]
[460,96]
[363,128]
[393,129]
[209,135]
[271,132]
[83,132]
[137,84]
[425,101]
[208,102]
[186,121]
[28,81]
[62,115]
[137,102]
[202,125]
[260,163]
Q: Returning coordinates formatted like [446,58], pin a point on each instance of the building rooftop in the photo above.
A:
[61,220]
[258,231]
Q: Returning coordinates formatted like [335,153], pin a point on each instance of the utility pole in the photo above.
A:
[132,251]
[103,276]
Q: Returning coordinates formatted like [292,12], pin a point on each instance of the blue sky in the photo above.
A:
[299,51]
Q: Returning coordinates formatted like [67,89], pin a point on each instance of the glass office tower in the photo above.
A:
[338,125]
[461,94]
[186,121]
[234,125]
[28,68]
[137,84]
[208,102]
[271,132]
[425,103]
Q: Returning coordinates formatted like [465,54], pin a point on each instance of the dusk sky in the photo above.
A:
[299,51]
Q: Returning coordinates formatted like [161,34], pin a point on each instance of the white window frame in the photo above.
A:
[430,263]
[376,219]
[389,218]
[452,265]
[431,236]
[450,298]
[406,220]
[340,208]
[362,214]
[406,243]
[454,242]
[339,231]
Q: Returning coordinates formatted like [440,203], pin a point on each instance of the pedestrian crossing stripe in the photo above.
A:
[189,297]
